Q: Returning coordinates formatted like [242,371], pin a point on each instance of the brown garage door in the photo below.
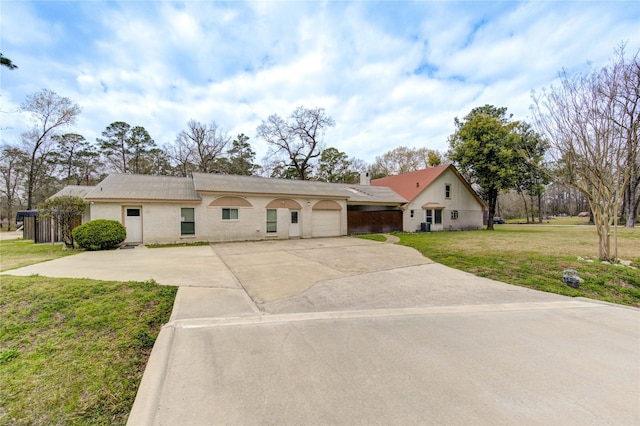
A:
[374,222]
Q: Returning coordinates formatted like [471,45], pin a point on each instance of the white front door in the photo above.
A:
[133,223]
[294,224]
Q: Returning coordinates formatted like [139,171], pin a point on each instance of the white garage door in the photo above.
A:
[325,223]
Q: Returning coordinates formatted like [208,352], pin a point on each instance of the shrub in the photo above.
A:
[100,234]
[67,211]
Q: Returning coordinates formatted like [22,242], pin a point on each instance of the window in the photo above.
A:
[434,216]
[272,220]
[133,212]
[294,217]
[229,214]
[454,214]
[411,213]
[447,191]
[187,221]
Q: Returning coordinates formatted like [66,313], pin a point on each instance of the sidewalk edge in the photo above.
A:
[147,399]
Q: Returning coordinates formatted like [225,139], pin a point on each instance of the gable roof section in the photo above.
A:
[143,188]
[411,184]
[258,185]
[74,190]
[235,184]
[128,187]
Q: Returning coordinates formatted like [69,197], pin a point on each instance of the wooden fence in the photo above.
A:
[373,222]
[45,230]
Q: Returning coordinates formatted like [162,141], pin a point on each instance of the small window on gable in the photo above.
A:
[229,214]
[411,213]
[447,191]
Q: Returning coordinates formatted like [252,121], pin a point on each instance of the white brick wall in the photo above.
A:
[469,210]
[161,221]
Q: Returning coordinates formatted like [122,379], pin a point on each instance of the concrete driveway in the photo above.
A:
[349,331]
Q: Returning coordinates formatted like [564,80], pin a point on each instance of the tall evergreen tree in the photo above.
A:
[484,150]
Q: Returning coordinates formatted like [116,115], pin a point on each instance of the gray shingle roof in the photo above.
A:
[144,187]
[74,190]
[373,194]
[259,185]
[165,188]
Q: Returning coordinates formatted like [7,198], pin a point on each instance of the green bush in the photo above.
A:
[100,234]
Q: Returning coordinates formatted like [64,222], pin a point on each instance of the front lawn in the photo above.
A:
[18,253]
[72,351]
[534,256]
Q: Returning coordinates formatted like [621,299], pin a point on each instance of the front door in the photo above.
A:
[294,225]
[133,223]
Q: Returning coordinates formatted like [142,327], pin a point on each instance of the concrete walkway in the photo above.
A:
[10,235]
[349,331]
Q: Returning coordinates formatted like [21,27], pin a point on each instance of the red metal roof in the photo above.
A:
[409,185]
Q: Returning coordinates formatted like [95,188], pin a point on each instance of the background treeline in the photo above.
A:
[580,151]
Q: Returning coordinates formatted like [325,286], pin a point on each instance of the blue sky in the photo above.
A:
[389,73]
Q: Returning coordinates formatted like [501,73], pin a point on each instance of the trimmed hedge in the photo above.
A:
[100,234]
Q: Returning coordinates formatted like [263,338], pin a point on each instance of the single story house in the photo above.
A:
[216,208]
[219,208]
[439,198]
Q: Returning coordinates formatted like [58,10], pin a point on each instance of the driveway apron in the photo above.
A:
[347,331]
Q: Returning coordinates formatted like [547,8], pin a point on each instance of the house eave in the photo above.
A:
[141,200]
[273,194]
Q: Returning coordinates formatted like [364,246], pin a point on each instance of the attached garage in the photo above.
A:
[326,219]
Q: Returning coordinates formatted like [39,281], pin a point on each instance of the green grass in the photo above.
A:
[72,351]
[196,243]
[18,253]
[373,237]
[535,256]
[560,220]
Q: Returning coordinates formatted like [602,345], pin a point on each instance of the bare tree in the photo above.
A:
[296,143]
[12,171]
[402,160]
[582,121]
[621,83]
[181,156]
[49,113]
[200,145]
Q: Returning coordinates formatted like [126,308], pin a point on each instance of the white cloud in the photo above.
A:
[390,74]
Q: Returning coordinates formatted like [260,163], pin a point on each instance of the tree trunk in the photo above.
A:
[30,182]
[492,201]
[533,212]
[526,209]
[540,215]
[600,219]
[630,201]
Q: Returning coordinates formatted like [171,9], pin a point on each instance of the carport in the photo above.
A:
[373,221]
[374,209]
